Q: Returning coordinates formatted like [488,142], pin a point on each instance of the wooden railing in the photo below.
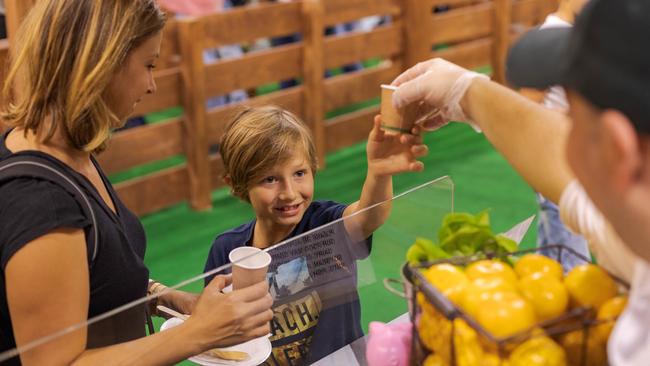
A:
[474,33]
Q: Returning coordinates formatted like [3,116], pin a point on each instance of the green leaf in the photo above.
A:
[453,222]
[432,249]
[483,218]
[464,234]
[416,254]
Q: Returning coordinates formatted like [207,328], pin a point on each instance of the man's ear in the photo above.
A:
[622,150]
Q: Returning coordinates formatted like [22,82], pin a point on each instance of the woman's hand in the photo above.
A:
[181,301]
[223,320]
[390,154]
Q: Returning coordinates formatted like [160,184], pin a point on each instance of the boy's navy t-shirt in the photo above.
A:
[313,280]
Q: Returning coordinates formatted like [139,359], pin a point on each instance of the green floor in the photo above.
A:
[179,238]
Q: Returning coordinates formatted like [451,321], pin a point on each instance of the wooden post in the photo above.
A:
[501,38]
[191,34]
[418,24]
[15,12]
[313,14]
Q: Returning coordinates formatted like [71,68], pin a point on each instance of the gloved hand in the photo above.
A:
[437,84]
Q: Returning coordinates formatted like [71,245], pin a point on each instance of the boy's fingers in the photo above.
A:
[377,132]
[419,150]
[416,166]
[408,139]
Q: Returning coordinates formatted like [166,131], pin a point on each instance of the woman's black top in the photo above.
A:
[30,208]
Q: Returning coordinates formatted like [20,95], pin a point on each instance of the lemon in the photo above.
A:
[608,313]
[492,359]
[435,332]
[590,286]
[595,352]
[480,290]
[537,263]
[466,343]
[490,269]
[448,279]
[541,351]
[434,360]
[546,293]
[505,314]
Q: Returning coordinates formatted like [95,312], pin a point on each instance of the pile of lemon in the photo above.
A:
[506,301]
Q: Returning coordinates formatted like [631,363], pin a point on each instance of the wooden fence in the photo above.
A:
[470,33]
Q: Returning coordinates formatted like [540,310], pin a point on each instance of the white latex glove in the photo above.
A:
[437,84]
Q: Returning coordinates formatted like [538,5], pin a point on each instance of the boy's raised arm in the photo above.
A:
[388,154]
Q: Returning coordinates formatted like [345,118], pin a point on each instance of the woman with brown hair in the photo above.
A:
[78,70]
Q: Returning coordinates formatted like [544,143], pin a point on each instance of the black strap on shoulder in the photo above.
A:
[25,165]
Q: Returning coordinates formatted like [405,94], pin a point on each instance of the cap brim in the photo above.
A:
[539,59]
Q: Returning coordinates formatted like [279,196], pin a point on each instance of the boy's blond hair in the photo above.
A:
[66,54]
[259,138]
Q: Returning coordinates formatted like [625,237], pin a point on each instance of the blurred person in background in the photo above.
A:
[182,8]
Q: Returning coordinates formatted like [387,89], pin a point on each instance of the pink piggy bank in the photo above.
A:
[389,344]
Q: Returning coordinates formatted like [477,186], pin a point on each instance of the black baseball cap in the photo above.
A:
[605,57]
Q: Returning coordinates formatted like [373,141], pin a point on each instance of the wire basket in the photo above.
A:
[459,340]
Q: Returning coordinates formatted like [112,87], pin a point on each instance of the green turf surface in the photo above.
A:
[179,239]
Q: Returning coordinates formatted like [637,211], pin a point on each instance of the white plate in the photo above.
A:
[258,349]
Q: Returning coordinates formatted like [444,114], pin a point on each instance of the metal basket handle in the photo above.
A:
[388,286]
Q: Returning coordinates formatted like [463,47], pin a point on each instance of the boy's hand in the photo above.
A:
[390,154]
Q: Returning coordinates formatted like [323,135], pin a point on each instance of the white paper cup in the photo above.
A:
[249,266]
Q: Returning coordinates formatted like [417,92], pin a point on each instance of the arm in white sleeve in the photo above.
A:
[580,215]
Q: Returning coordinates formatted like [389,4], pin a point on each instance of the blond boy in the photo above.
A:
[270,162]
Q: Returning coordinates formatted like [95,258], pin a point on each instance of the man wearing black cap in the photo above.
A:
[604,64]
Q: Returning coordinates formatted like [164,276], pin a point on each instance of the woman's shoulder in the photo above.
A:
[31,208]
[33,194]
